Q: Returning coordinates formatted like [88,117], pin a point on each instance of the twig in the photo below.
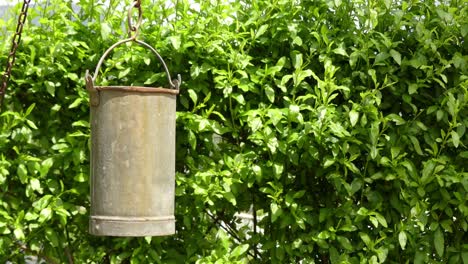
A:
[254,213]
[68,251]
[230,231]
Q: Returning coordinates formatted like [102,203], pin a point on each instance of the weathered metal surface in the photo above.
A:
[133,161]
[132,152]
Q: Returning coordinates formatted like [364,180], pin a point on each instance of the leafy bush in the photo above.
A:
[340,126]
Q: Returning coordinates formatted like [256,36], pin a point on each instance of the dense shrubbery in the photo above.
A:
[341,126]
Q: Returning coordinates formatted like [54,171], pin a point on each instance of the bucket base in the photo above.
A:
[131,226]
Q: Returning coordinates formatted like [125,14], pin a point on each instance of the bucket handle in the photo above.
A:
[174,84]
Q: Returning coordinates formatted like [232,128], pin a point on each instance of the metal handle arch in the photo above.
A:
[173,84]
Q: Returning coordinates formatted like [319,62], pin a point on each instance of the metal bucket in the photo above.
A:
[132,157]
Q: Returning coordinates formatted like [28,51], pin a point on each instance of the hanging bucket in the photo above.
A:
[132,156]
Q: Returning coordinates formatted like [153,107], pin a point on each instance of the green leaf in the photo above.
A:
[355,186]
[345,243]
[353,59]
[416,146]
[465,257]
[455,138]
[373,75]
[402,238]
[42,202]
[334,255]
[193,96]
[270,93]
[463,154]
[124,73]
[22,173]
[276,211]
[328,162]
[192,139]
[388,3]
[75,103]
[395,118]
[230,197]
[278,170]
[381,219]
[19,234]
[381,57]
[353,117]
[31,124]
[420,257]
[324,235]
[272,71]
[297,41]
[374,133]
[29,110]
[413,88]
[35,185]
[396,56]
[148,239]
[45,214]
[50,87]
[297,59]
[382,253]
[240,250]
[363,211]
[439,242]
[239,98]
[272,144]
[440,114]
[105,30]
[152,78]
[263,28]
[323,214]
[52,237]
[45,166]
[81,177]
[81,123]
[374,221]
[175,41]
[366,239]
[341,50]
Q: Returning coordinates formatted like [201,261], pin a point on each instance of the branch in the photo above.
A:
[40,256]
[231,231]
[68,251]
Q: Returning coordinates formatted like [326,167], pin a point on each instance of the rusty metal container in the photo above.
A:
[132,157]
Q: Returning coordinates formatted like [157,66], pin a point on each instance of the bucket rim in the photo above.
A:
[139,89]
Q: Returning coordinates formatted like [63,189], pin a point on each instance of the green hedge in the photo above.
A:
[339,124]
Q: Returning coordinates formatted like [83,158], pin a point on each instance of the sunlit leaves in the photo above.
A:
[402,239]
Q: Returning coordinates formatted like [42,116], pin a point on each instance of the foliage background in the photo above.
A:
[339,124]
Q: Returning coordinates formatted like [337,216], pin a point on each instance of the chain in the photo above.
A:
[14,46]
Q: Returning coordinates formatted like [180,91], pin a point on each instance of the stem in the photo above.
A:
[68,250]
[254,213]
[229,229]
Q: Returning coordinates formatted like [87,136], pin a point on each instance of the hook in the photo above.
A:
[134,28]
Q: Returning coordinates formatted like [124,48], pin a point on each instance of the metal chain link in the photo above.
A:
[14,46]
[133,29]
